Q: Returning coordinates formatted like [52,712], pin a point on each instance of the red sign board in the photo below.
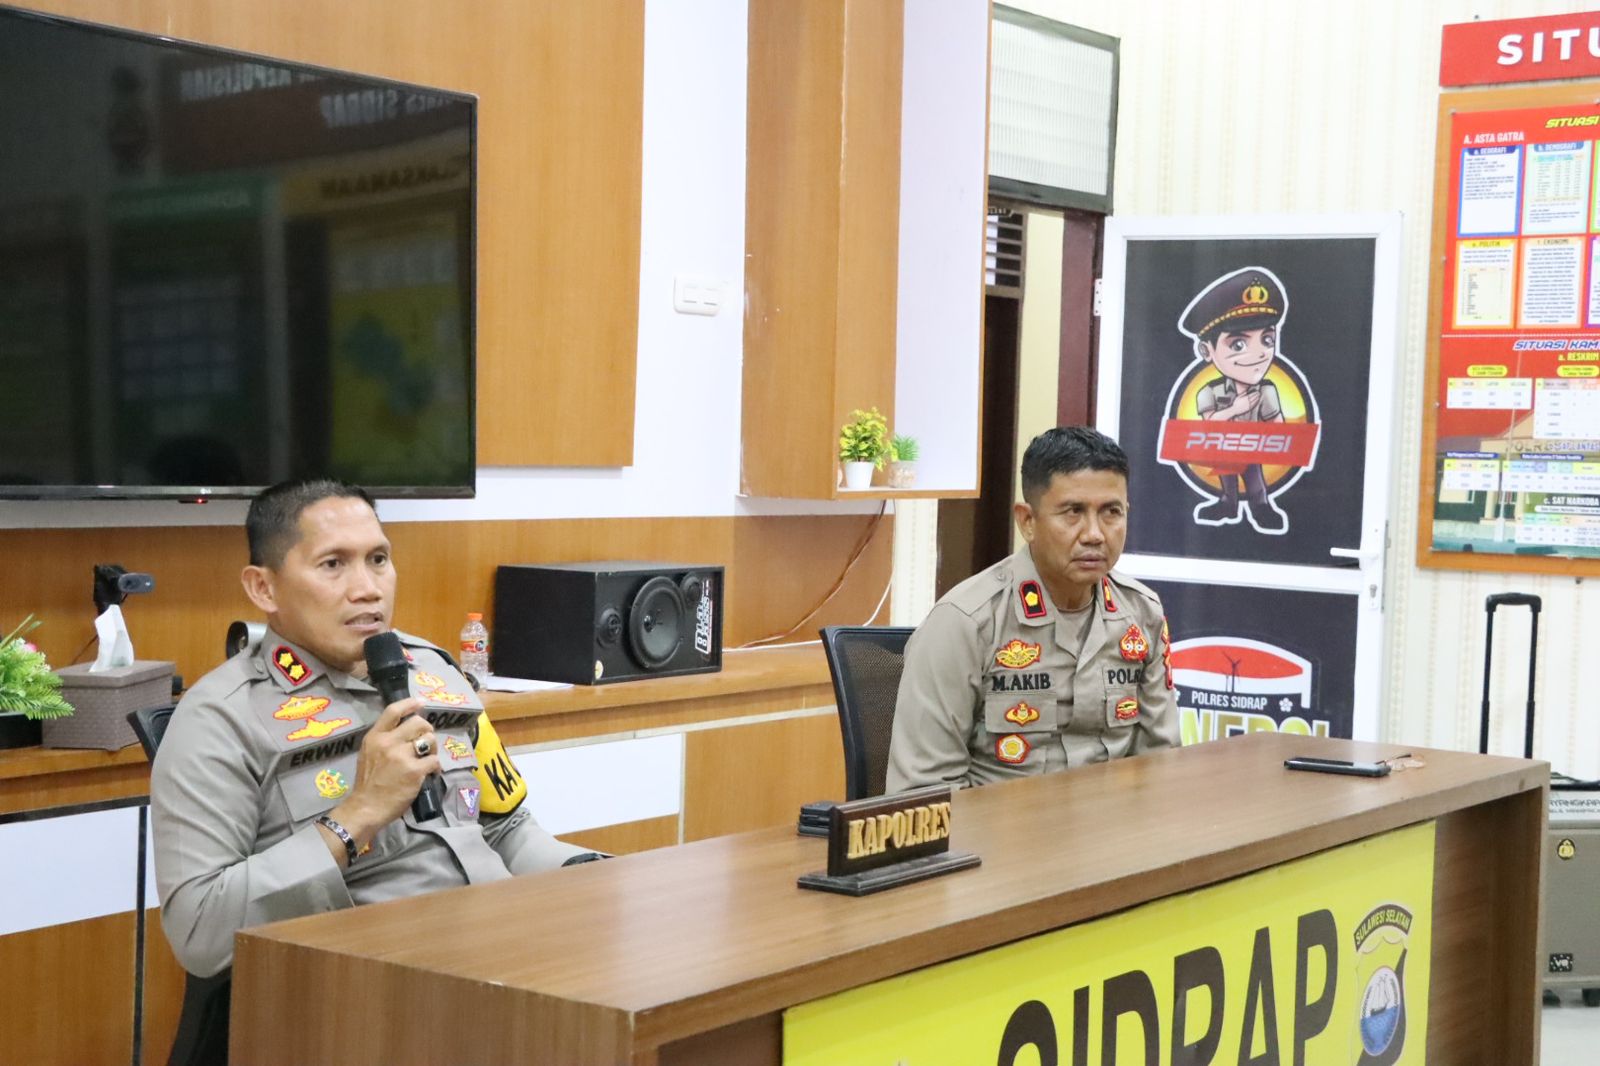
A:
[1530,49]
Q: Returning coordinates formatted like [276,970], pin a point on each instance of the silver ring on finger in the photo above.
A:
[423,746]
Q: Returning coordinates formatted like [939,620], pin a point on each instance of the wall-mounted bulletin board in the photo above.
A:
[1511,430]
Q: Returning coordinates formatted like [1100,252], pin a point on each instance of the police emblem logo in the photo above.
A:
[1566,849]
[1022,714]
[304,709]
[1017,655]
[1012,749]
[1133,645]
[289,664]
[331,784]
[1381,941]
[1127,709]
[1032,597]
[1105,593]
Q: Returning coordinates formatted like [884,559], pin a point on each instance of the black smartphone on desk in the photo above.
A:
[1338,766]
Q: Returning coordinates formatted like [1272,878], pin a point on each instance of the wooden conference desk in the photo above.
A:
[690,954]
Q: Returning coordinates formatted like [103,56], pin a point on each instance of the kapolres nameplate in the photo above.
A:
[885,841]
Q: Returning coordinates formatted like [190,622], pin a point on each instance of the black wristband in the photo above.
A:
[349,842]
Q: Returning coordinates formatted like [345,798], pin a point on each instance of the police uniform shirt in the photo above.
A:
[267,742]
[998,683]
[1223,391]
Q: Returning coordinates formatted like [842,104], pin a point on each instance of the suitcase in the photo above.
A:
[1572,840]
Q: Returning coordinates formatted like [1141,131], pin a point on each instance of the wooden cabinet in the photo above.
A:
[865,157]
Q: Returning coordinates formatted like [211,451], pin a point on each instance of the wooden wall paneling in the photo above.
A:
[163,991]
[778,568]
[628,837]
[560,147]
[770,768]
[821,233]
[70,994]
[786,569]
[869,211]
[792,239]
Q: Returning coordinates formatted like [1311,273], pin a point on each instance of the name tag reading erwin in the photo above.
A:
[883,841]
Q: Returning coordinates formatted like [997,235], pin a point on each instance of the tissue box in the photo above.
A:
[103,701]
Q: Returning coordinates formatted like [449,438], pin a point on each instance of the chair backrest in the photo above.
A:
[150,725]
[865,662]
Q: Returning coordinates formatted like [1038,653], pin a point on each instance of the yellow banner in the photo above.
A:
[1322,961]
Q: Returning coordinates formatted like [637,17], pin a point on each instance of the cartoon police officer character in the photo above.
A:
[1235,324]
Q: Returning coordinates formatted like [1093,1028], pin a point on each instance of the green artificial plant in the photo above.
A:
[865,438]
[903,449]
[27,683]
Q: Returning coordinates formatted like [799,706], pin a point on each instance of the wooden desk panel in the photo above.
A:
[664,946]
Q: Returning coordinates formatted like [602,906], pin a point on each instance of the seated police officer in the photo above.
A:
[1047,659]
[283,786]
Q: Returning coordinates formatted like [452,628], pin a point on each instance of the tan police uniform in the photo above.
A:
[998,683]
[268,741]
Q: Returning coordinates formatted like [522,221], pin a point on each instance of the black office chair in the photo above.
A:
[865,662]
[202,1038]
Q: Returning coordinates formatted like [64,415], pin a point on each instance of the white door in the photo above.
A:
[1247,366]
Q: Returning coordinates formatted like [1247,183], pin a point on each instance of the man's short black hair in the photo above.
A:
[1067,450]
[273,522]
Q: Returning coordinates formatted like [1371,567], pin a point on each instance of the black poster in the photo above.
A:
[1244,392]
[1251,659]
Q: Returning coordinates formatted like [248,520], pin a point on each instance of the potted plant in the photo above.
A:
[902,461]
[30,691]
[863,442]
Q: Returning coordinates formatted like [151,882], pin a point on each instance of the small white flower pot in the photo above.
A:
[858,475]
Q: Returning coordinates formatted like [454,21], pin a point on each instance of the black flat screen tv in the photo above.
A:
[219,271]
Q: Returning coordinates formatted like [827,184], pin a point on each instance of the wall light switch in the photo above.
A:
[696,295]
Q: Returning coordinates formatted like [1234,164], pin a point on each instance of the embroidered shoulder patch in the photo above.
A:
[289,664]
[1032,597]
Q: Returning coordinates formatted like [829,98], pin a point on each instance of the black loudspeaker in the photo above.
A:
[595,623]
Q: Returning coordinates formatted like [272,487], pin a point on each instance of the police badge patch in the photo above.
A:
[1381,943]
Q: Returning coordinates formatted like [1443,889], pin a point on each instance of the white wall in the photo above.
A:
[1233,107]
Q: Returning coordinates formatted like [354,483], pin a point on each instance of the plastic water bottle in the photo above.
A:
[475,646]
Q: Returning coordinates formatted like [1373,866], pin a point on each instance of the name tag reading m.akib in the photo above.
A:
[883,841]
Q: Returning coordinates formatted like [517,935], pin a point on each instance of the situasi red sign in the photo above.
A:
[1527,49]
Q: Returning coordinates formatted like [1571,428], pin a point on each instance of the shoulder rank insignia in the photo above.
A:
[304,709]
[1017,655]
[331,784]
[1127,710]
[1022,714]
[458,749]
[1166,651]
[1032,600]
[1105,593]
[1134,646]
[1012,749]
[289,664]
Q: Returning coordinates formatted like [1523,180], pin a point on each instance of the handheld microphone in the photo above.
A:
[389,673]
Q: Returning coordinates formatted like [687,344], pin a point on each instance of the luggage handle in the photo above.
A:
[1513,599]
[1509,599]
